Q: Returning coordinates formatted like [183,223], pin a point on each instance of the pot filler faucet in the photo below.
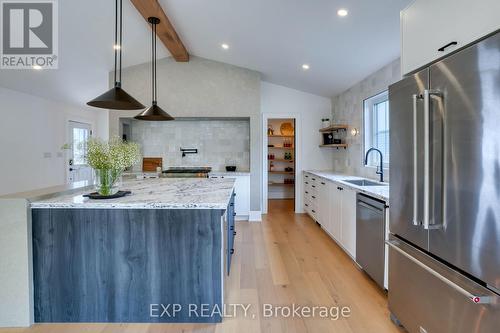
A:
[380,168]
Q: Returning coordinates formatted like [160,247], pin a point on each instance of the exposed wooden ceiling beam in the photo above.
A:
[165,29]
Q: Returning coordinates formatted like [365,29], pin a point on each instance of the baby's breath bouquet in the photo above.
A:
[109,159]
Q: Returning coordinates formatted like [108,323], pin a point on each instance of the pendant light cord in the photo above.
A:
[156,83]
[152,62]
[121,37]
[154,91]
[116,39]
[118,43]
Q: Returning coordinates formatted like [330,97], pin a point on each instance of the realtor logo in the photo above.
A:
[29,34]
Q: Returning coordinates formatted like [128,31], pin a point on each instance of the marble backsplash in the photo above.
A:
[348,108]
[220,142]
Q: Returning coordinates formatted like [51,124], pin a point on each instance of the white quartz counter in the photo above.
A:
[379,192]
[161,193]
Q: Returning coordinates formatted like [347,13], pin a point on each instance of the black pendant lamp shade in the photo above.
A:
[154,112]
[117,98]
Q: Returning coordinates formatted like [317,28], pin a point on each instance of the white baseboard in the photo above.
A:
[242,217]
[255,216]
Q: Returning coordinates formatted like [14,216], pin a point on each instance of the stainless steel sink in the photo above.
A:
[364,182]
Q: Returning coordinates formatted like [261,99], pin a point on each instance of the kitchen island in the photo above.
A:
[158,255]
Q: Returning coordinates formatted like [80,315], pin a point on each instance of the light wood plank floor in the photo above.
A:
[286,259]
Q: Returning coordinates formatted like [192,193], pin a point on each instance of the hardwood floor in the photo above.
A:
[287,259]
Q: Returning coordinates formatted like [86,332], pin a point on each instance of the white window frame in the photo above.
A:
[368,105]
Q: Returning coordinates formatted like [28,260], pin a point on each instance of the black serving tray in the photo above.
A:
[97,196]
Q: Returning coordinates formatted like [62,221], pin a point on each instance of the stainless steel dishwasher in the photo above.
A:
[370,236]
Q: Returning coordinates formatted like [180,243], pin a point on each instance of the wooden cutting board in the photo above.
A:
[149,164]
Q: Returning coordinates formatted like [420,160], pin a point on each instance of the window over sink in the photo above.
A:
[376,128]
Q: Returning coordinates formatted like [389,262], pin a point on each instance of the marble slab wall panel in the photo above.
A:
[219,142]
[348,108]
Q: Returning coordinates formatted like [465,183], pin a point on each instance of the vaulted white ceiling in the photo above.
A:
[274,37]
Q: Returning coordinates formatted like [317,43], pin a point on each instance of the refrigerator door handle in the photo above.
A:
[476,298]
[427,159]
[416,218]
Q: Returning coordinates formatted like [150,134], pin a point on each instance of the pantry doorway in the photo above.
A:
[280,167]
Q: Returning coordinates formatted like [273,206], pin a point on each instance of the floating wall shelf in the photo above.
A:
[334,128]
[343,145]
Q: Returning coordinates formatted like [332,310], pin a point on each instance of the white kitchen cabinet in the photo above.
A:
[311,195]
[429,25]
[343,218]
[335,212]
[348,221]
[307,193]
[242,190]
[324,200]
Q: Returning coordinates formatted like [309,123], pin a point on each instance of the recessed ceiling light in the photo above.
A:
[117,46]
[342,12]
[225,46]
[305,67]
[37,67]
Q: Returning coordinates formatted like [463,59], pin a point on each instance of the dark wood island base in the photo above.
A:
[130,265]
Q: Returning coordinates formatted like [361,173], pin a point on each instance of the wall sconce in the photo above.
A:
[354,131]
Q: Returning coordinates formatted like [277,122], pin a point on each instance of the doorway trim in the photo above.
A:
[70,124]
[298,159]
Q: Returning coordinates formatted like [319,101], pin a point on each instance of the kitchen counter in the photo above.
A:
[228,173]
[70,259]
[159,193]
[379,192]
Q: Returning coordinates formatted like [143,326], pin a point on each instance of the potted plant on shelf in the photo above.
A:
[109,159]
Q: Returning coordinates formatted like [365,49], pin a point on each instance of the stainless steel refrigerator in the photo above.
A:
[444,247]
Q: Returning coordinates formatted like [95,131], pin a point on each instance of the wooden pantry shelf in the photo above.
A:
[280,184]
[343,145]
[279,160]
[281,136]
[334,128]
[283,172]
[285,148]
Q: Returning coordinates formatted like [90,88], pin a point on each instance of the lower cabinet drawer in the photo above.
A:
[314,213]
[427,296]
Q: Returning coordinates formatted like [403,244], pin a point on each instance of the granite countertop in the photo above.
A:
[379,192]
[161,193]
[229,173]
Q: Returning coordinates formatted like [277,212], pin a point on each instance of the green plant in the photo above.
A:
[110,159]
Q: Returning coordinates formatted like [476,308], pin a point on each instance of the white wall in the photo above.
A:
[201,88]
[31,126]
[308,109]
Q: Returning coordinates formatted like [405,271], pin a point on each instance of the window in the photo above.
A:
[376,128]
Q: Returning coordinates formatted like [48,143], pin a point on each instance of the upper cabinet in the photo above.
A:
[431,29]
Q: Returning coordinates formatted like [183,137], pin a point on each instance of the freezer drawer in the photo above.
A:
[429,297]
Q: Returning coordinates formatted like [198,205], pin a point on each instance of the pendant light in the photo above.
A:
[117,98]
[154,112]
